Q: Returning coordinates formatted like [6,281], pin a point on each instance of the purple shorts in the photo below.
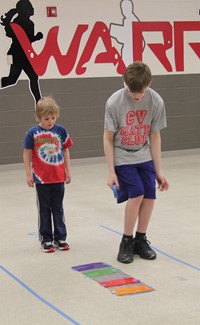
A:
[136,180]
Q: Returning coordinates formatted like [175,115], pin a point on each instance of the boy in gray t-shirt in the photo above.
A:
[134,116]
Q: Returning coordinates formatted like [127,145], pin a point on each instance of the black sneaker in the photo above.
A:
[126,251]
[47,247]
[61,245]
[143,249]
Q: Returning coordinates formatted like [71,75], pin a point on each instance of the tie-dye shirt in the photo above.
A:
[48,153]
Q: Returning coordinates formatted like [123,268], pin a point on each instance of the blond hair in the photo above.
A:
[46,106]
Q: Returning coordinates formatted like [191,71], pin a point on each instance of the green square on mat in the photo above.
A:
[101,272]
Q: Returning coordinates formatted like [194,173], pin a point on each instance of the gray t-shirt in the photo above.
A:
[132,123]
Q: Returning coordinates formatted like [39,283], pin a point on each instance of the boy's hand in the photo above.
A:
[112,179]
[30,181]
[163,184]
[68,178]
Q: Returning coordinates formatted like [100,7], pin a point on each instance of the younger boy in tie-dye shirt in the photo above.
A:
[47,163]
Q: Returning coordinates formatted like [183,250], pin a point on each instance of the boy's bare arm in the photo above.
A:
[27,156]
[109,154]
[155,143]
[67,165]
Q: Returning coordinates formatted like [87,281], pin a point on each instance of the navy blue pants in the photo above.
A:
[50,208]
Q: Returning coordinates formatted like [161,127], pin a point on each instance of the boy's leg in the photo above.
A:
[57,196]
[44,213]
[148,176]
[141,246]
[131,214]
[131,189]
[145,213]
[126,248]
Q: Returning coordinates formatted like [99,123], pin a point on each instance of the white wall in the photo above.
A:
[71,14]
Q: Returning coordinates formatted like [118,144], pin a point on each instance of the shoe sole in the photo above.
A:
[125,261]
[146,258]
[149,258]
[51,250]
[66,248]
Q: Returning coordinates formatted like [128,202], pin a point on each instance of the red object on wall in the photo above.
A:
[51,12]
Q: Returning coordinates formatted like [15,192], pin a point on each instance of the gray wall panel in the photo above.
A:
[11,152]
[186,108]
[178,139]
[13,133]
[183,122]
[82,103]
[3,118]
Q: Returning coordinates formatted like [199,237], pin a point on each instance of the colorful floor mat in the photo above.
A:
[118,282]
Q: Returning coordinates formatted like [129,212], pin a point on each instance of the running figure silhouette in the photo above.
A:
[17,58]
[123,33]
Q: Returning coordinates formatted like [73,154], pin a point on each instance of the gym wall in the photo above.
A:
[80,60]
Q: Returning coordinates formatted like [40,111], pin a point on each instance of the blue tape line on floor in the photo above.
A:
[38,296]
[33,234]
[177,259]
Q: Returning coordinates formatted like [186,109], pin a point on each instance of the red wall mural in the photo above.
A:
[130,35]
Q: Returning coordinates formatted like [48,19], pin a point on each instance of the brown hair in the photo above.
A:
[137,76]
[47,106]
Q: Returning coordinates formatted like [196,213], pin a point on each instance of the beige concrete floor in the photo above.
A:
[38,288]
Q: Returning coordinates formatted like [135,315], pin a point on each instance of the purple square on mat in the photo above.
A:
[91,266]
